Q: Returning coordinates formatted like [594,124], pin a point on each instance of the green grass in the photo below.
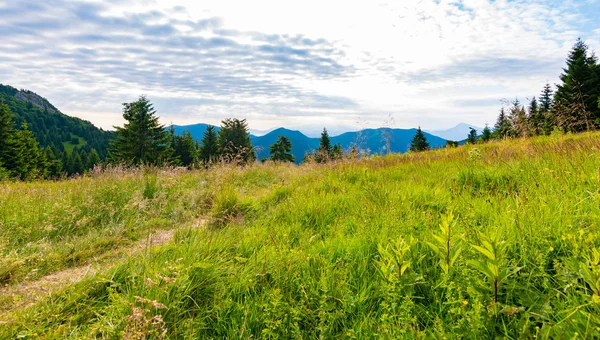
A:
[494,240]
[69,146]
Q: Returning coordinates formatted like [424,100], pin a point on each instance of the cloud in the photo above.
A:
[309,64]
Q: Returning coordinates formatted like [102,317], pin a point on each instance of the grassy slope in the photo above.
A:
[314,250]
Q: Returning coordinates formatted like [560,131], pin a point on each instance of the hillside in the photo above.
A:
[498,240]
[370,141]
[50,126]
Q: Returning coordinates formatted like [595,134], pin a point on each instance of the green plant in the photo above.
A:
[445,244]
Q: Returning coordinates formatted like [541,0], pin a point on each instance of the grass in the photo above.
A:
[70,146]
[494,240]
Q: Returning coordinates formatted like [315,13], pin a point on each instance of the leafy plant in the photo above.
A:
[445,244]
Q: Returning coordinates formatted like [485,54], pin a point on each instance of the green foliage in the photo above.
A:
[446,244]
[234,143]
[472,137]
[486,134]
[142,140]
[502,128]
[281,150]
[210,148]
[185,149]
[419,142]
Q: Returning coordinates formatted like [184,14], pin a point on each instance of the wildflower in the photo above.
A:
[465,302]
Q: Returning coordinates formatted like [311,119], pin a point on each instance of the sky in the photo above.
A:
[305,65]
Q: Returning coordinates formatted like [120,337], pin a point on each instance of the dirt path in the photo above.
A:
[28,293]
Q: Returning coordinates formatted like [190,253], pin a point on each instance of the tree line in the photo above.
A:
[573,107]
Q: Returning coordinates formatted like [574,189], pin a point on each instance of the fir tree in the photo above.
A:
[184,148]
[280,150]
[93,159]
[234,141]
[518,120]
[502,128]
[486,134]
[337,152]
[419,142]
[472,137]
[545,109]
[209,149]
[325,143]
[536,118]
[577,96]
[142,140]
[30,161]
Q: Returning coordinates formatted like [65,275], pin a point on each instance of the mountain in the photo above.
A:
[368,140]
[457,133]
[50,126]
[301,144]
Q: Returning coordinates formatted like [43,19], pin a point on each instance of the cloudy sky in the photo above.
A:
[299,64]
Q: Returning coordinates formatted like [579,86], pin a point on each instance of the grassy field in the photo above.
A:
[494,240]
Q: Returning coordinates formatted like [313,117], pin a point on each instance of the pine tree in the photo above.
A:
[93,159]
[142,140]
[184,148]
[577,96]
[337,152]
[325,143]
[280,150]
[323,154]
[486,134]
[30,161]
[234,141]
[7,137]
[546,112]
[55,166]
[536,118]
[502,128]
[171,156]
[419,142]
[472,137]
[209,149]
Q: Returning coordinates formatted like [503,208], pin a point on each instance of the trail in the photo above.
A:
[28,293]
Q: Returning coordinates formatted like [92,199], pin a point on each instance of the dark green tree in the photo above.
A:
[486,134]
[419,142]
[576,97]
[472,136]
[93,159]
[30,161]
[55,166]
[234,141]
[337,152]
[502,128]
[142,140]
[281,150]
[210,148]
[325,143]
[536,118]
[7,137]
[545,109]
[185,149]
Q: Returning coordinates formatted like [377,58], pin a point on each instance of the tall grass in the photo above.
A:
[494,240]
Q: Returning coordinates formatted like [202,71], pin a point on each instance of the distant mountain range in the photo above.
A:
[381,140]
[457,133]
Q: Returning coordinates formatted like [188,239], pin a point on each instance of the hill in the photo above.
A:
[50,126]
[457,133]
[495,240]
[370,141]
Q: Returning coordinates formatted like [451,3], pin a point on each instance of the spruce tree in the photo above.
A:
[518,120]
[472,137]
[209,149]
[536,118]
[502,128]
[577,96]
[7,137]
[93,159]
[486,134]
[325,143]
[142,140]
[281,150]
[419,142]
[30,161]
[234,141]
[184,148]
[545,108]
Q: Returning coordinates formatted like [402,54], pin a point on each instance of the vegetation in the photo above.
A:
[234,143]
[482,241]
[280,150]
[419,142]
[575,106]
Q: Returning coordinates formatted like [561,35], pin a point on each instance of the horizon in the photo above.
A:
[433,64]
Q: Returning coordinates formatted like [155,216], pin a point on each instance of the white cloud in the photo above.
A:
[307,63]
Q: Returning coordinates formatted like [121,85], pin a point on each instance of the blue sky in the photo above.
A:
[303,64]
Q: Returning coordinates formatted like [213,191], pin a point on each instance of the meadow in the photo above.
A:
[490,240]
